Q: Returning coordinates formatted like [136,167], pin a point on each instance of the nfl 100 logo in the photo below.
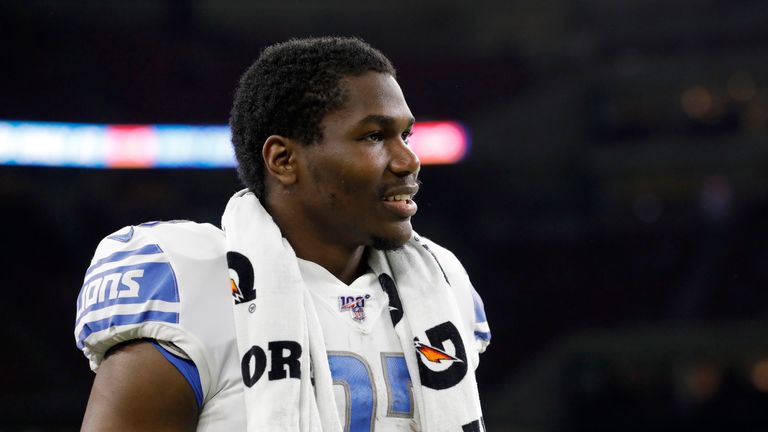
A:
[354,304]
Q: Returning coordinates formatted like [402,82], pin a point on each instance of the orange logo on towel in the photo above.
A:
[433,354]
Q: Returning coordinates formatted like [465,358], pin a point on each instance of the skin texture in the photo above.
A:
[137,389]
[327,198]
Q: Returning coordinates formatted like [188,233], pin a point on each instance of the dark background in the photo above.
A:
[612,212]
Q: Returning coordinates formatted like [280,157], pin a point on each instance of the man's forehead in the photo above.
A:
[386,120]
[375,97]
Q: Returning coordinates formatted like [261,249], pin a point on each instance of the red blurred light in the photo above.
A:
[130,146]
[439,142]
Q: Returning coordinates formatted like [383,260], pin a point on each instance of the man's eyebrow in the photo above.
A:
[383,120]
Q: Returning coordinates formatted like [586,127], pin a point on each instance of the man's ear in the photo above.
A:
[279,157]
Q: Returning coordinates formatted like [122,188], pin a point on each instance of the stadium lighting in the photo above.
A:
[172,146]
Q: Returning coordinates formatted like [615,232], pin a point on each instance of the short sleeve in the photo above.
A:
[130,290]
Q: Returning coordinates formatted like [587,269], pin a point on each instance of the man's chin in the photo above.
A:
[392,239]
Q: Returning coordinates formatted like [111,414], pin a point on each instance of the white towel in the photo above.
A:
[280,321]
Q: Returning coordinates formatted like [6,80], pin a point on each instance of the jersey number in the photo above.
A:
[353,373]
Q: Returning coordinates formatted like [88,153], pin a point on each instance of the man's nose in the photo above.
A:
[404,161]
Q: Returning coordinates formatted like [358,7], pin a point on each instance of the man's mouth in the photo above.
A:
[401,205]
[402,197]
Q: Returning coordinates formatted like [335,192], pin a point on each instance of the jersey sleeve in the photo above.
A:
[129,285]
[158,281]
[482,330]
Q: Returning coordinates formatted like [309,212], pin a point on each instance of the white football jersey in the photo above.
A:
[169,281]
[371,380]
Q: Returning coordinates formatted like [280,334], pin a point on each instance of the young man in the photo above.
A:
[315,307]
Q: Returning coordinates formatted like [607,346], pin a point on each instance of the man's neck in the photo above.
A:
[346,267]
[346,262]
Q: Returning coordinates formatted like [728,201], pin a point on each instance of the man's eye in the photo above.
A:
[376,136]
[407,136]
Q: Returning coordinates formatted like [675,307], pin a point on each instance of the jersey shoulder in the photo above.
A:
[470,302]
[134,286]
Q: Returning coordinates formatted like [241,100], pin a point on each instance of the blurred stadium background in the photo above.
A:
[611,211]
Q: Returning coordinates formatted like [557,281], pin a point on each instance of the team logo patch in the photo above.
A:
[241,278]
[442,362]
[433,354]
[354,304]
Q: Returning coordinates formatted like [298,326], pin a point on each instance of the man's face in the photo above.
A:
[359,181]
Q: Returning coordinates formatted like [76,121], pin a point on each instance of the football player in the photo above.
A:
[319,247]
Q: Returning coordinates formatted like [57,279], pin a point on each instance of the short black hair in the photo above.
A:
[288,91]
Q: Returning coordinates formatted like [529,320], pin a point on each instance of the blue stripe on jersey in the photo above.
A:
[486,336]
[122,238]
[480,317]
[187,369]
[132,284]
[120,320]
[149,249]
[479,307]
